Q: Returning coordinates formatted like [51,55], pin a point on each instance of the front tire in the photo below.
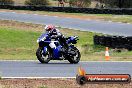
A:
[42,58]
[74,59]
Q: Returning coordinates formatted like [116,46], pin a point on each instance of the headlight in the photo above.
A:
[38,41]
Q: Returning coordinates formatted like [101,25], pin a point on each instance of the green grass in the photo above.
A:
[16,44]
[21,45]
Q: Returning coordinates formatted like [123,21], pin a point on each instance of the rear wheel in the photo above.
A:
[74,55]
[43,57]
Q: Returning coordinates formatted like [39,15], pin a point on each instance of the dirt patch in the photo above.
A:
[54,83]
[29,26]
[21,25]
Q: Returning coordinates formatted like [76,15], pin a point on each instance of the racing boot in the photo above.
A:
[63,50]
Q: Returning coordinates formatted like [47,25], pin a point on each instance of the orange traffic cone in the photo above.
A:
[107,57]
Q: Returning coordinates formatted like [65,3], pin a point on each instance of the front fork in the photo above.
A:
[45,50]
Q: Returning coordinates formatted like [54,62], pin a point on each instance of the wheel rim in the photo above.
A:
[44,57]
[76,56]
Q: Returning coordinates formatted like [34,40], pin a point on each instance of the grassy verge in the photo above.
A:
[51,2]
[104,17]
[21,44]
[18,42]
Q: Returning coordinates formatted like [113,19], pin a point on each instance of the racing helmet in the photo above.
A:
[49,28]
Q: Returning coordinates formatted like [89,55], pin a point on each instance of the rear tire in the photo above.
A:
[41,57]
[74,59]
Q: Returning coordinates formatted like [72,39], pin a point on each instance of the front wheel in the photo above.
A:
[74,55]
[43,58]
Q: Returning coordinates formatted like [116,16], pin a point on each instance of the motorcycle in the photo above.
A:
[51,49]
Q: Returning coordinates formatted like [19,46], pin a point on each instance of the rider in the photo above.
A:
[55,33]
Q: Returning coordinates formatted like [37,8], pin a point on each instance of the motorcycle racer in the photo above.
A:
[54,46]
[56,34]
[52,31]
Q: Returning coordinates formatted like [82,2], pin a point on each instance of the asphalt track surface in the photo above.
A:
[60,69]
[86,25]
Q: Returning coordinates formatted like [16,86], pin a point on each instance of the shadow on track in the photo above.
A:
[57,63]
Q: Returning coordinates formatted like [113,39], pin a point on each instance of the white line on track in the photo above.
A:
[128,23]
[60,61]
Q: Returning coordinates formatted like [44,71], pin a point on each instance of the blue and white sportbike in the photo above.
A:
[52,49]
